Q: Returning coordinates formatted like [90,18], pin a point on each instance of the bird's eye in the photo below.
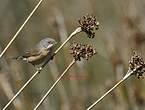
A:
[50,42]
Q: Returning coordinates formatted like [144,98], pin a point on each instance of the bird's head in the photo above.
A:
[47,43]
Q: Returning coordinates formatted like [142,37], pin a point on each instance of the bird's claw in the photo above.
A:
[39,69]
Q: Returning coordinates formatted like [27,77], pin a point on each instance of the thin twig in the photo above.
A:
[129,73]
[20,91]
[78,30]
[8,90]
[61,89]
[22,26]
[52,87]
[63,35]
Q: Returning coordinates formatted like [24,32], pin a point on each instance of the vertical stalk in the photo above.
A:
[78,30]
[129,73]
[6,106]
[20,29]
[52,87]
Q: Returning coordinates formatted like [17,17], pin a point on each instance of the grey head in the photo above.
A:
[46,43]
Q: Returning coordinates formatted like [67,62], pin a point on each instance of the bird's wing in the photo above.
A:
[32,52]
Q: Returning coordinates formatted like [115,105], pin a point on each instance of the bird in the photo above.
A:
[39,53]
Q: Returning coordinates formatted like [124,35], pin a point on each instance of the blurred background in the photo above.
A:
[122,30]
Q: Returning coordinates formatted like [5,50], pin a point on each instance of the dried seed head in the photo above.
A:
[84,51]
[88,24]
[137,63]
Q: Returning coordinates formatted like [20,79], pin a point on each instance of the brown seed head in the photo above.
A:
[84,51]
[137,63]
[88,24]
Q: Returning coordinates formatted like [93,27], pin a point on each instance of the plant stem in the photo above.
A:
[52,87]
[129,73]
[22,88]
[78,30]
[20,29]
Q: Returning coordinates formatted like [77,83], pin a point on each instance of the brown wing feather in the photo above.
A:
[33,52]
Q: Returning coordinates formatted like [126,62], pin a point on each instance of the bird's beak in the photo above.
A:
[49,46]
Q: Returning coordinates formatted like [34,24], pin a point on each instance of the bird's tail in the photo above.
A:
[18,58]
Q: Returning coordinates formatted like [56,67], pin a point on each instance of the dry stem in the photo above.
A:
[129,73]
[6,106]
[20,29]
[78,30]
[56,82]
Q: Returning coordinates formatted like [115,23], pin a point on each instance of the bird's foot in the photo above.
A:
[38,69]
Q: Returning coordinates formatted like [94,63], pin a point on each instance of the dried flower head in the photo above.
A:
[88,24]
[84,51]
[137,63]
